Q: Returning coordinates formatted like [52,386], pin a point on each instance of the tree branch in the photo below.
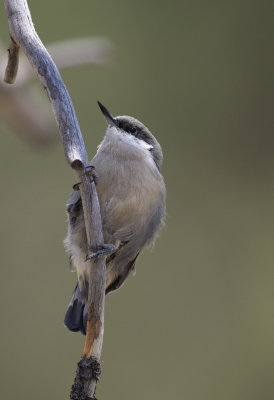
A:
[12,67]
[24,35]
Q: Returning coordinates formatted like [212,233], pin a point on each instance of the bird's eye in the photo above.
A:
[132,129]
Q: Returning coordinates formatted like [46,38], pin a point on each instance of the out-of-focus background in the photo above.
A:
[197,321]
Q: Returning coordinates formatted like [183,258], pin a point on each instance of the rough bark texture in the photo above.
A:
[24,36]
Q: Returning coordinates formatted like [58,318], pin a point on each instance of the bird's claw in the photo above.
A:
[76,186]
[91,172]
[102,251]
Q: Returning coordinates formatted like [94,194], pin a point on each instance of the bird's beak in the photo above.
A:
[109,117]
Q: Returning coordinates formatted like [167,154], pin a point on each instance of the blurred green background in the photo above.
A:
[197,321]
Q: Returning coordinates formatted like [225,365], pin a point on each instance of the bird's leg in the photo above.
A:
[103,250]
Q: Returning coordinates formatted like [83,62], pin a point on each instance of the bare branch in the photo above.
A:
[12,67]
[24,34]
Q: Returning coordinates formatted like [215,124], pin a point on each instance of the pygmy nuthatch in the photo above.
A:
[132,197]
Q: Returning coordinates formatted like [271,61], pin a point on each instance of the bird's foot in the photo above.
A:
[91,172]
[102,251]
[76,186]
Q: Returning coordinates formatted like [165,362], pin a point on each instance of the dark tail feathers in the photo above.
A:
[77,313]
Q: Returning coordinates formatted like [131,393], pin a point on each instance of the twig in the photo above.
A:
[24,34]
[13,61]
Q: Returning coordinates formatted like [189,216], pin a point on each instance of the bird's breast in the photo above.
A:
[129,188]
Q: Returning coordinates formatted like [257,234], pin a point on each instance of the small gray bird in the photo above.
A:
[132,198]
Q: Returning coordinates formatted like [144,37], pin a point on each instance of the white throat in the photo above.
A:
[116,134]
[134,141]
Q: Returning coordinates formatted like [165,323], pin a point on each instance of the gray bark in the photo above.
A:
[24,35]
